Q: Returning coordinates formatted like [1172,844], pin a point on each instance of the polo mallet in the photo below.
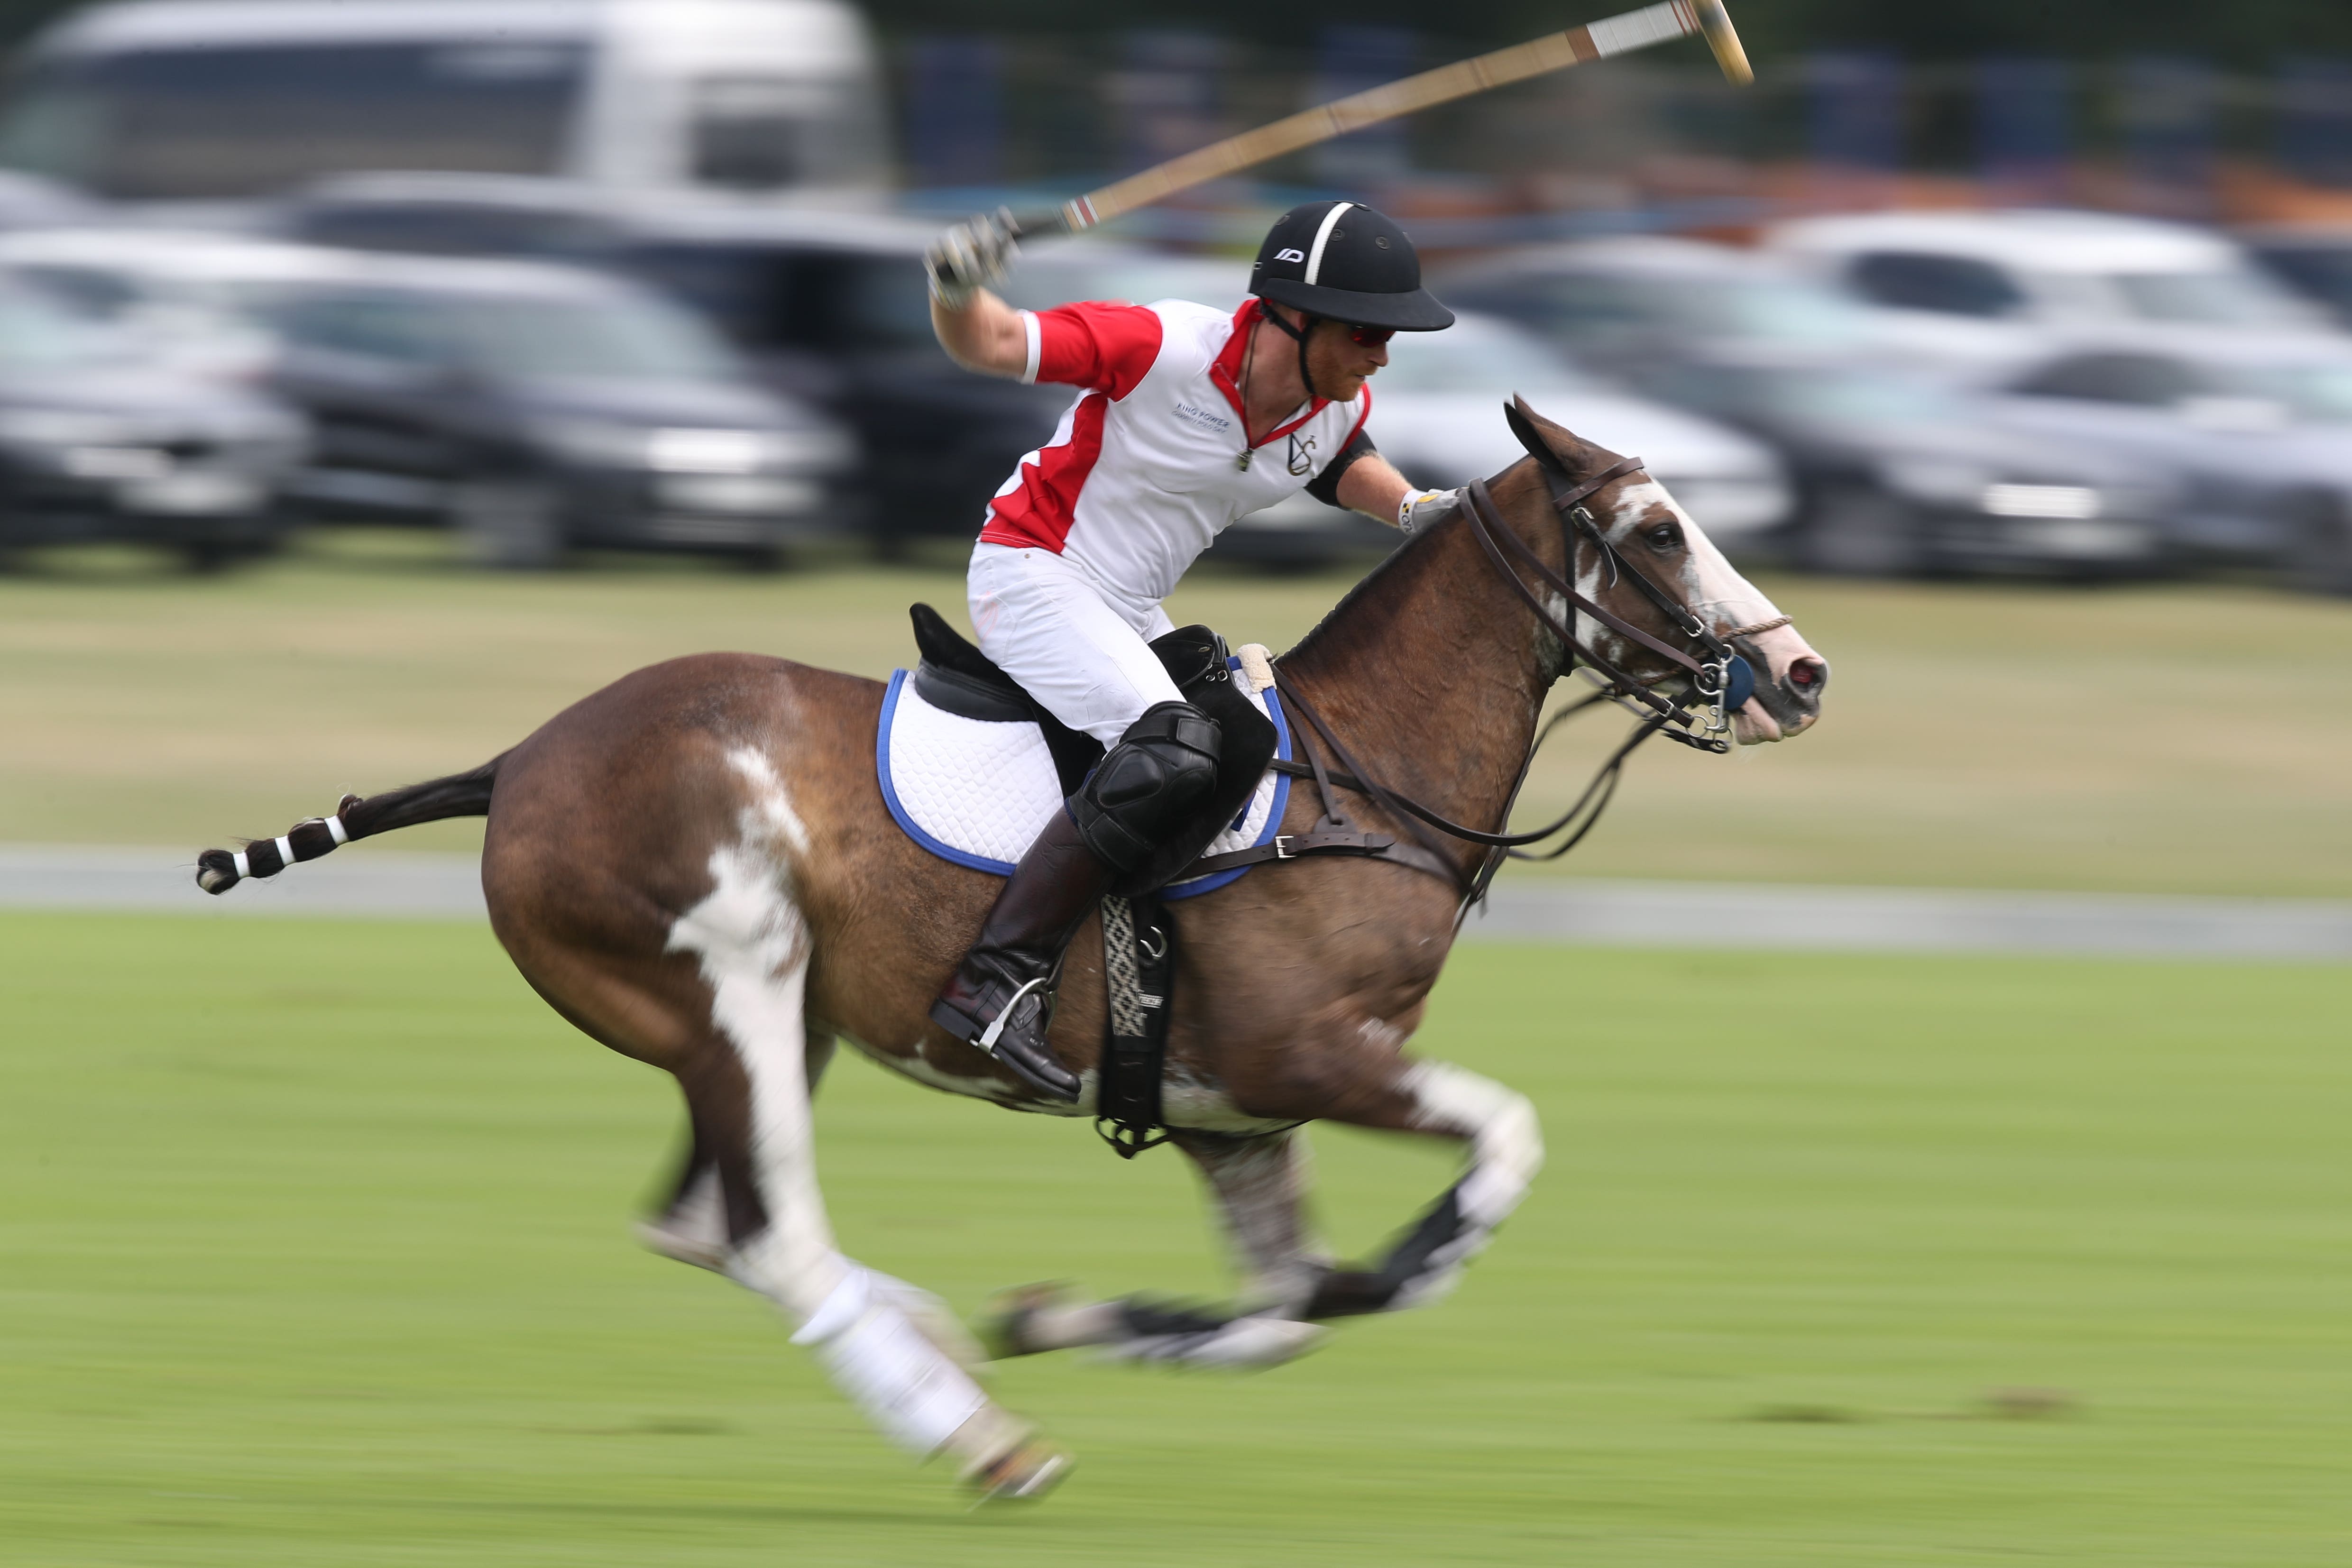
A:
[1538,57]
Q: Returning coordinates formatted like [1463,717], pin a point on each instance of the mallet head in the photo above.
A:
[1716,23]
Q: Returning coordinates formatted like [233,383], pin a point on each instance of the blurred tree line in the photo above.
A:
[2250,32]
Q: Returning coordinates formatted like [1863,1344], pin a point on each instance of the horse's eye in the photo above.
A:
[1665,537]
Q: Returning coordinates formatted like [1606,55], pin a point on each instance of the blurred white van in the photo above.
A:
[227,100]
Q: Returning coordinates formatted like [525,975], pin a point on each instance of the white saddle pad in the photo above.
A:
[977,793]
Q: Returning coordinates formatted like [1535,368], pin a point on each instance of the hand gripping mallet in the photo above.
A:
[1537,56]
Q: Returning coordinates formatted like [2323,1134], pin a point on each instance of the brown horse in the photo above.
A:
[694,866]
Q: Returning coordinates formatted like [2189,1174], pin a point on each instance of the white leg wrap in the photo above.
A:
[906,1384]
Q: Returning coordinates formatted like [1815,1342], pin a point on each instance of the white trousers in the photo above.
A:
[1075,648]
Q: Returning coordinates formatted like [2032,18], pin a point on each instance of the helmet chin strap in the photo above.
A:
[1298,335]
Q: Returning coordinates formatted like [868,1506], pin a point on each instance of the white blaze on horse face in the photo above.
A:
[1714,590]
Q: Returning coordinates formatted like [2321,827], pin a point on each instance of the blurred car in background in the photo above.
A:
[2315,261]
[1896,473]
[1980,289]
[1437,410]
[2260,431]
[535,408]
[232,100]
[1437,414]
[831,308]
[98,444]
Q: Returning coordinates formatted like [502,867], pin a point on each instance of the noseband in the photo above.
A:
[1720,680]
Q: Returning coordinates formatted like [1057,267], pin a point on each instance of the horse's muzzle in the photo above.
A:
[1791,680]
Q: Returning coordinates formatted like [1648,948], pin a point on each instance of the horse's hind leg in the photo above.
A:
[692,1226]
[1506,1149]
[748,1093]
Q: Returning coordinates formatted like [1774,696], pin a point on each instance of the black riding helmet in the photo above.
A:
[1342,261]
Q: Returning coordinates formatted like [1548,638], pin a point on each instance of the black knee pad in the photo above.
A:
[1161,771]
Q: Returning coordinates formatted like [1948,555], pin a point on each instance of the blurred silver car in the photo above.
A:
[535,408]
[1437,415]
[99,442]
[1437,410]
[2259,432]
[1972,290]
[1897,472]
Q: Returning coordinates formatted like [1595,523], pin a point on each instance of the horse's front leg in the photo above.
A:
[1500,1136]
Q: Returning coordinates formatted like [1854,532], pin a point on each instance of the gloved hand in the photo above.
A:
[1421,509]
[972,256]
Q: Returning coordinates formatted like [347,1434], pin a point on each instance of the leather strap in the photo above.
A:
[1290,846]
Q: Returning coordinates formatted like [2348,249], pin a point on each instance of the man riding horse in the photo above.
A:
[1189,418]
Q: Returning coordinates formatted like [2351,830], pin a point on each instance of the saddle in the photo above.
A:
[955,676]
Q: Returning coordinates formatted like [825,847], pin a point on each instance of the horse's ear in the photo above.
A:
[1547,443]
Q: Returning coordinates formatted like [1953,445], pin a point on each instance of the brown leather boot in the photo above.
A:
[998,999]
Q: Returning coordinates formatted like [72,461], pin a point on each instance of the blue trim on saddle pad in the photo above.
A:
[1191,889]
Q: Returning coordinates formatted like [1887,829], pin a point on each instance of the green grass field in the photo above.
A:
[2165,738]
[313,1252]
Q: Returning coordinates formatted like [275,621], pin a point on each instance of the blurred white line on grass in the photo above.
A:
[1711,915]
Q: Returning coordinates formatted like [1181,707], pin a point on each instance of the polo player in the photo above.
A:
[1186,419]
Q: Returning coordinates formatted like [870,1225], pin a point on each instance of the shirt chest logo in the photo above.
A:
[1302,455]
[1201,418]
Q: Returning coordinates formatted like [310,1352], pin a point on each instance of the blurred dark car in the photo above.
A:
[97,444]
[537,408]
[2316,262]
[1895,474]
[2260,429]
[830,306]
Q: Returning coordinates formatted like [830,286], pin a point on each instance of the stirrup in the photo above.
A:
[995,1030]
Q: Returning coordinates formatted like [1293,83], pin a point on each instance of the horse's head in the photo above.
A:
[1638,554]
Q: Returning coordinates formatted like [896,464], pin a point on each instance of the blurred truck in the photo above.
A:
[535,408]
[224,102]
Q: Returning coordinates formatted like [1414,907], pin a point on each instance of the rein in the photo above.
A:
[1712,680]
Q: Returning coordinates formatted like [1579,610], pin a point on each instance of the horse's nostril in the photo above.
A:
[1807,677]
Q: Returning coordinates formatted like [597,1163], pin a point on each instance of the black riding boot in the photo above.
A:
[1000,987]
[1145,792]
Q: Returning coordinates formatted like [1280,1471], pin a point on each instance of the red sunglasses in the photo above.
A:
[1370,336]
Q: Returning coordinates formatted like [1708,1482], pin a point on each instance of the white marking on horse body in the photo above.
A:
[1202,1104]
[754,951]
[769,806]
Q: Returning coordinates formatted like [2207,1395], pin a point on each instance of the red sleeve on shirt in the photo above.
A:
[1107,348]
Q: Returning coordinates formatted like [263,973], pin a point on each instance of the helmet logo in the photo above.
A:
[1290,256]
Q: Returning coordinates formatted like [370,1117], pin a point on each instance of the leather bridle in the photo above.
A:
[1717,676]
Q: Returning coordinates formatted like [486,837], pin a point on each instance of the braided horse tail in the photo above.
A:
[459,794]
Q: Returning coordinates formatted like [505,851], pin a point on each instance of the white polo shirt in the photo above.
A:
[1144,470]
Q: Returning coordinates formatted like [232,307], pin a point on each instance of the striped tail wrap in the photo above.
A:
[459,794]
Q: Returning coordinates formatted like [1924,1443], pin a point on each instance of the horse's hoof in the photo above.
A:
[1024,1475]
[1003,1326]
